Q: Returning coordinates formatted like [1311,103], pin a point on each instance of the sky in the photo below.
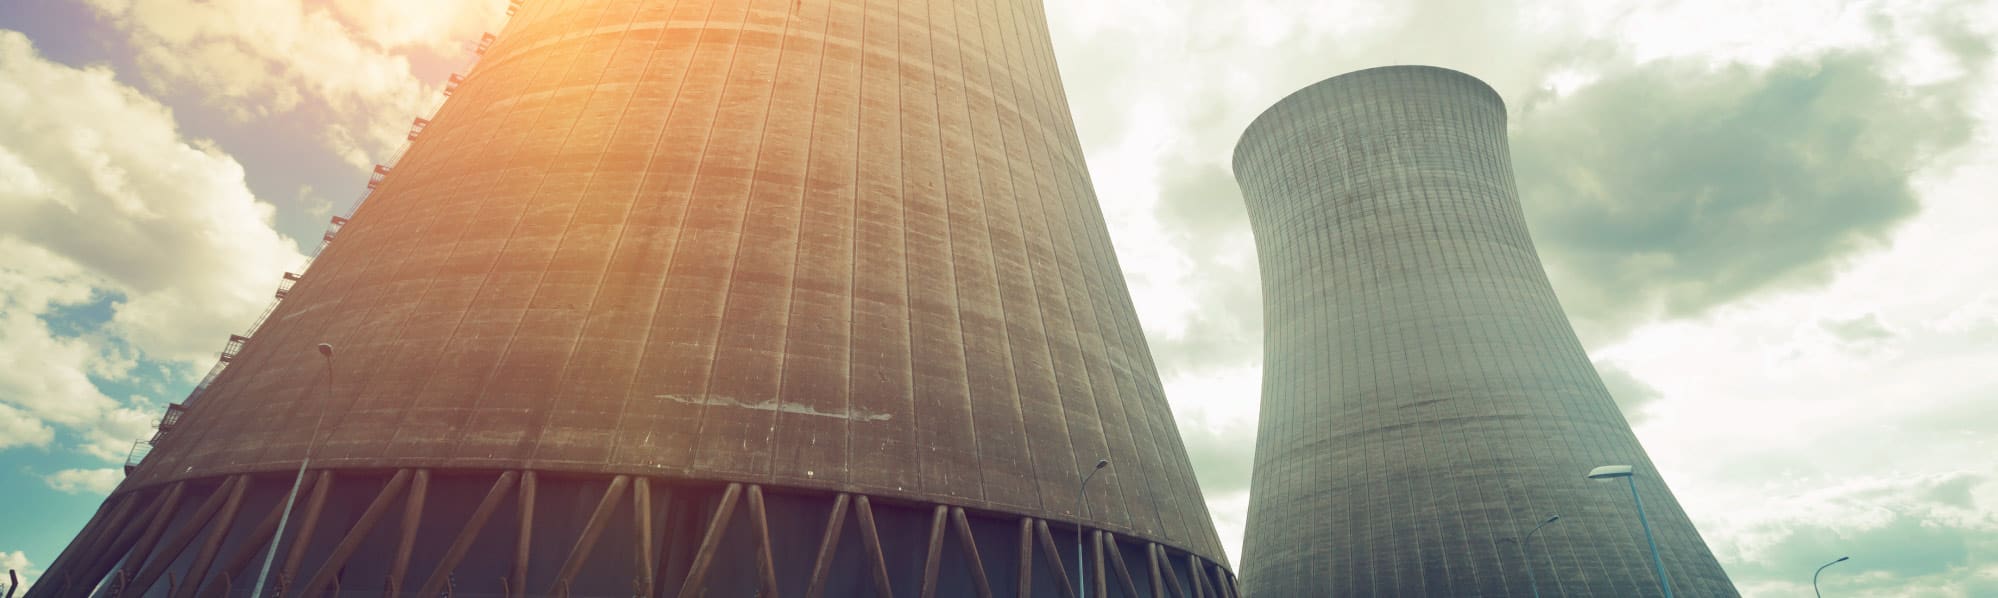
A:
[1769,222]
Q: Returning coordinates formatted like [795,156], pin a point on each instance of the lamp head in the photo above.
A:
[1100,464]
[1609,471]
[1841,559]
[326,349]
[1551,519]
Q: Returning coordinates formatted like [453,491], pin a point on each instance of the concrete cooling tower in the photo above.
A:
[694,297]
[1425,402]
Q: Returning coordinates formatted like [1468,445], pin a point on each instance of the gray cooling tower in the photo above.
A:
[1425,401]
[693,298]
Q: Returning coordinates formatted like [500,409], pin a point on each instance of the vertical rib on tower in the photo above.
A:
[1425,402]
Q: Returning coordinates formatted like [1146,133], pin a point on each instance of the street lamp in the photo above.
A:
[326,351]
[1524,544]
[1081,495]
[1623,471]
[1821,569]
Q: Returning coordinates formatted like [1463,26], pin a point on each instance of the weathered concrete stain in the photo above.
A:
[777,406]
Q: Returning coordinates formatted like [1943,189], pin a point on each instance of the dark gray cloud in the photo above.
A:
[1672,187]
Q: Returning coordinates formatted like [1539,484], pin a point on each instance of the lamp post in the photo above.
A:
[326,351]
[1524,545]
[1623,471]
[1082,496]
[1821,569]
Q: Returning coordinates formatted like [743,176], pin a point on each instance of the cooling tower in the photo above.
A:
[771,297]
[1425,402]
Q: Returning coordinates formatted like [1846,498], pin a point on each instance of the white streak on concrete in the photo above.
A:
[776,406]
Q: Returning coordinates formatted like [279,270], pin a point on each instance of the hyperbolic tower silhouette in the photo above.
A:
[1425,401]
[673,295]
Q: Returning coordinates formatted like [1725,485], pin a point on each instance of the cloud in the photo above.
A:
[1862,329]
[1791,446]
[439,26]
[18,428]
[105,207]
[313,202]
[46,378]
[1231,514]
[1921,535]
[1221,460]
[1673,187]
[347,64]
[118,201]
[1980,313]
[1632,395]
[17,561]
[93,481]
[1217,421]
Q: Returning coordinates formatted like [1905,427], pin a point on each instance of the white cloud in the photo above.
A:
[347,63]
[93,481]
[45,378]
[18,428]
[439,25]
[18,561]
[120,202]
[105,204]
